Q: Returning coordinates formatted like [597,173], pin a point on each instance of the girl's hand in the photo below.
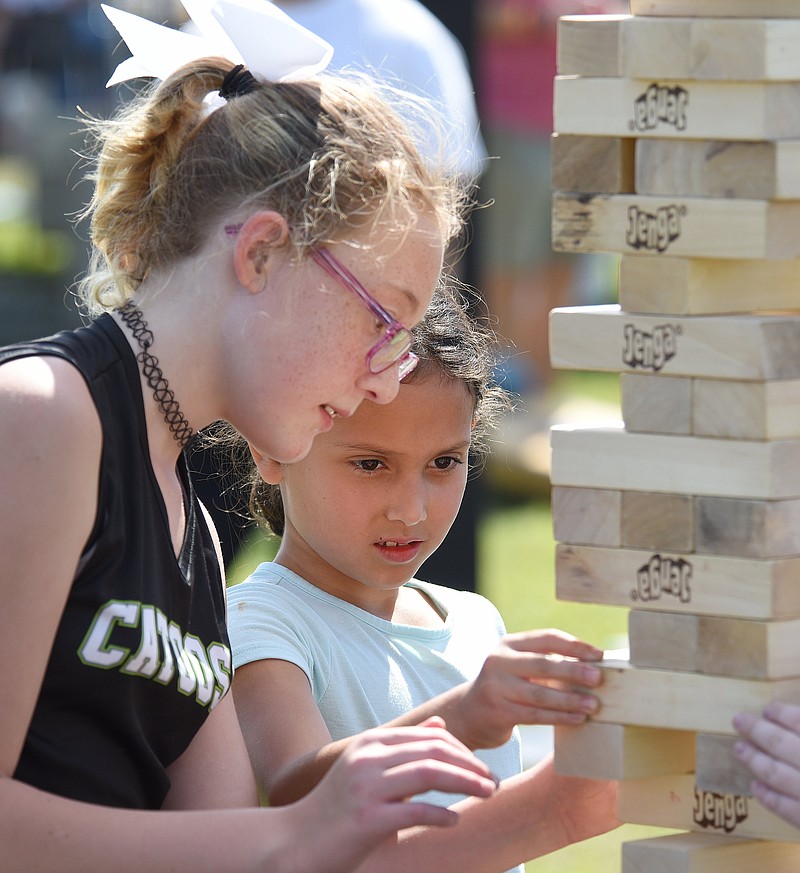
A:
[530,678]
[770,748]
[364,799]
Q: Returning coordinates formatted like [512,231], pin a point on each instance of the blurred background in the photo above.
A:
[55,58]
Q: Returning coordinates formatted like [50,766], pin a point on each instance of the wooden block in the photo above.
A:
[696,48]
[711,407]
[656,404]
[586,515]
[717,769]
[683,701]
[602,164]
[656,521]
[699,286]
[610,457]
[680,108]
[589,45]
[718,8]
[740,347]
[746,410]
[675,802]
[754,49]
[747,528]
[708,853]
[673,642]
[693,227]
[695,584]
[614,751]
[714,645]
[713,168]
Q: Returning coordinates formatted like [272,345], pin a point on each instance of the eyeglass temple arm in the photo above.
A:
[340,273]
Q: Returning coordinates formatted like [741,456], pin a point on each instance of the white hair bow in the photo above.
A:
[251,32]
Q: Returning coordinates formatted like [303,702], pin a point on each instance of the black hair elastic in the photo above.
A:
[238,82]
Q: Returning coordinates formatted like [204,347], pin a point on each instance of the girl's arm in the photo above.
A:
[522,682]
[532,677]
[531,815]
[50,446]
[289,743]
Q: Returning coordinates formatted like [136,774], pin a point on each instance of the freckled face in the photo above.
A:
[316,335]
[377,494]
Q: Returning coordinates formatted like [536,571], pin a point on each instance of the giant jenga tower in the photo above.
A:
[677,145]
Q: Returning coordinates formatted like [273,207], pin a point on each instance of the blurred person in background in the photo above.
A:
[521,277]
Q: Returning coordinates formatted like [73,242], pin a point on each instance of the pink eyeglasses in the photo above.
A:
[394,347]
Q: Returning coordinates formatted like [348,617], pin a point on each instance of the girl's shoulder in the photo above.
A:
[454,599]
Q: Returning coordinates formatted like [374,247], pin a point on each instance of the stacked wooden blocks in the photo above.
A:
[677,145]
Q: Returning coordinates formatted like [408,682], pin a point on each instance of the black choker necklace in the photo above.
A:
[162,393]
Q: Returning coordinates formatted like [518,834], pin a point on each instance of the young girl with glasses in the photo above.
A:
[119,746]
[337,636]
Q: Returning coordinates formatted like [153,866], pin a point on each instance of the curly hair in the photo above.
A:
[328,153]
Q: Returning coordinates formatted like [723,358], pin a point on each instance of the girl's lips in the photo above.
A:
[399,552]
[327,415]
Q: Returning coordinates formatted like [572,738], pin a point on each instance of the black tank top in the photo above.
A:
[141,654]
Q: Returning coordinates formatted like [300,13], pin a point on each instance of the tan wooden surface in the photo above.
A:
[694,584]
[661,284]
[708,853]
[697,227]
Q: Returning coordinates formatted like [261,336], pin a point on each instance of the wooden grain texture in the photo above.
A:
[661,284]
[681,227]
[697,48]
[747,528]
[675,802]
[589,45]
[683,701]
[610,457]
[708,853]
[601,164]
[586,515]
[613,751]
[656,404]
[661,522]
[717,8]
[711,407]
[694,584]
[714,645]
[714,168]
[679,108]
[717,769]
[753,347]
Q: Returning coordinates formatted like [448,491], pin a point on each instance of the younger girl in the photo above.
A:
[337,636]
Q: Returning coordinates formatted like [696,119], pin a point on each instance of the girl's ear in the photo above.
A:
[263,234]
[270,471]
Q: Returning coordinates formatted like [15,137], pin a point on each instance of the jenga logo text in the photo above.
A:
[718,811]
[650,351]
[670,577]
[660,104]
[653,231]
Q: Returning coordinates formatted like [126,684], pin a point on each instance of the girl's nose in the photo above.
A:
[407,503]
[381,387]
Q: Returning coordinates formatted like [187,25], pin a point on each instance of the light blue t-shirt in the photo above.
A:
[363,670]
